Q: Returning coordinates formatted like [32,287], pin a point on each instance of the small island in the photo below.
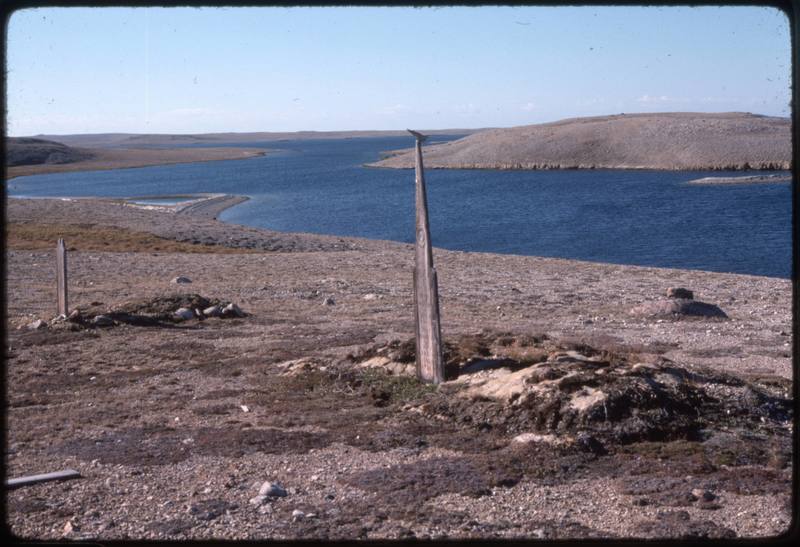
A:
[675,141]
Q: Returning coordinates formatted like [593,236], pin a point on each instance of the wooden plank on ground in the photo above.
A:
[64,475]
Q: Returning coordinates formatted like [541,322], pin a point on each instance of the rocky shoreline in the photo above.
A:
[204,426]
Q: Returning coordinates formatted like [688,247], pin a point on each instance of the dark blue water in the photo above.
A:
[649,218]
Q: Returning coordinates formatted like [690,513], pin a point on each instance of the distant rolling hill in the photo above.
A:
[30,151]
[673,141]
[34,156]
[134,140]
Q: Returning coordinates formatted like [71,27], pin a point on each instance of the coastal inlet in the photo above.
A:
[637,217]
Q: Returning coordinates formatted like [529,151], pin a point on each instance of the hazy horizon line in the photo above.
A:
[484,128]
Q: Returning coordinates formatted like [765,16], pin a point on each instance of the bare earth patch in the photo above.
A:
[93,237]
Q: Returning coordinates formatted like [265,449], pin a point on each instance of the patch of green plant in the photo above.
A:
[394,389]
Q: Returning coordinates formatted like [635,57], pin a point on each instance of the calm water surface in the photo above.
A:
[649,218]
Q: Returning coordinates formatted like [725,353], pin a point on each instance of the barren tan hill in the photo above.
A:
[674,141]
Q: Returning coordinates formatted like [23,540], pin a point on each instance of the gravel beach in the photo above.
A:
[176,425]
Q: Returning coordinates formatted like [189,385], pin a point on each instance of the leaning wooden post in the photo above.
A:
[61,276]
[430,365]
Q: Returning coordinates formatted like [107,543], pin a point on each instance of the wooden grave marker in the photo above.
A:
[61,277]
[430,365]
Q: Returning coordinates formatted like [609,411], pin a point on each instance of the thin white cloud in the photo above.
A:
[528,107]
[656,99]
[394,110]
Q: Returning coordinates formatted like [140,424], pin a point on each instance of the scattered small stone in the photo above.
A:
[704,495]
[183,313]
[273,490]
[180,280]
[370,296]
[679,292]
[258,500]
[328,301]
[244,408]
[102,321]
[297,514]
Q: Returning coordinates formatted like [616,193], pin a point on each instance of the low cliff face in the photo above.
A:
[673,141]
[29,151]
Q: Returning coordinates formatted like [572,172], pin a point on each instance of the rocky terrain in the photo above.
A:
[582,399]
[31,156]
[674,141]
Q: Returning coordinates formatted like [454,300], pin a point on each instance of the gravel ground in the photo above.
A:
[175,426]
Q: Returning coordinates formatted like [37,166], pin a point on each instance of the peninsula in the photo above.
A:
[669,141]
[45,154]
[34,156]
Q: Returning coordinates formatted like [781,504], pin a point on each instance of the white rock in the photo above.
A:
[328,301]
[525,438]
[297,514]
[38,324]
[180,279]
[272,490]
[212,311]
[232,309]
[102,321]
[183,313]
[370,296]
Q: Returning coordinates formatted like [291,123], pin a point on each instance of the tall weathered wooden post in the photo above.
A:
[61,277]
[430,365]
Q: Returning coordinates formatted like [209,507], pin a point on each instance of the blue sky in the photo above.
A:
[189,70]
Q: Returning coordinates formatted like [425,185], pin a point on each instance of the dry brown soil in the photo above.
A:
[175,425]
